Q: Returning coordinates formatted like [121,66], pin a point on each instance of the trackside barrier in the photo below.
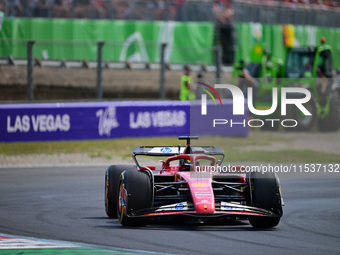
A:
[107,120]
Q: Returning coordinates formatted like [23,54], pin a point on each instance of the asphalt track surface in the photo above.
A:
[66,204]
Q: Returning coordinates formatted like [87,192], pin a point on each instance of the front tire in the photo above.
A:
[134,195]
[111,188]
[265,194]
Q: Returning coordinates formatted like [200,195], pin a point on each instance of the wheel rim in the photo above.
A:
[121,202]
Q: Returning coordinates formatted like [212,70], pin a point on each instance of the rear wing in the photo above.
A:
[157,150]
[167,151]
[176,150]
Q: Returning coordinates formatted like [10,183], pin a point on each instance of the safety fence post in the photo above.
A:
[30,96]
[162,72]
[99,69]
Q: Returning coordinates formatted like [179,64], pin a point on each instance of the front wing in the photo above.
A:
[223,209]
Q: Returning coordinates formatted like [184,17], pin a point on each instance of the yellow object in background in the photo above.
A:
[288,36]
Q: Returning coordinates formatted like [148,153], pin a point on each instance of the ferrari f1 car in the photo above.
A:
[187,185]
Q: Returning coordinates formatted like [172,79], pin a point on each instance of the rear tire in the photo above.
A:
[265,194]
[111,188]
[134,195]
[305,123]
[331,122]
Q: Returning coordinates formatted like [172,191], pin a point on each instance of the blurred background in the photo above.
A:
[116,53]
[141,46]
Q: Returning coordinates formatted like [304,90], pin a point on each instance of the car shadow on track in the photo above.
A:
[230,225]
[94,218]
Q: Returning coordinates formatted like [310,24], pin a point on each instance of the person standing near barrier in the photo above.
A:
[185,93]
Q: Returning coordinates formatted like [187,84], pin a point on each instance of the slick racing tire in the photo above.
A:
[134,195]
[304,122]
[265,194]
[331,122]
[111,188]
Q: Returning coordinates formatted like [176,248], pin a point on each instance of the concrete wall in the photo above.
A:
[68,84]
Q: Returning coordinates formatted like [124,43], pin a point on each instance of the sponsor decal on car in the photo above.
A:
[179,206]
[166,150]
[200,185]
[227,206]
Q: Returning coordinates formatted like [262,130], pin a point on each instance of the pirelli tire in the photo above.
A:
[112,176]
[331,122]
[266,194]
[134,194]
[304,122]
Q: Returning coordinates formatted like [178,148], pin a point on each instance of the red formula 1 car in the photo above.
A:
[191,184]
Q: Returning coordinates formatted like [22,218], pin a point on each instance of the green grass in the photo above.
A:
[235,148]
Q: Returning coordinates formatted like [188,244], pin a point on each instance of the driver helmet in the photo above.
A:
[185,165]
